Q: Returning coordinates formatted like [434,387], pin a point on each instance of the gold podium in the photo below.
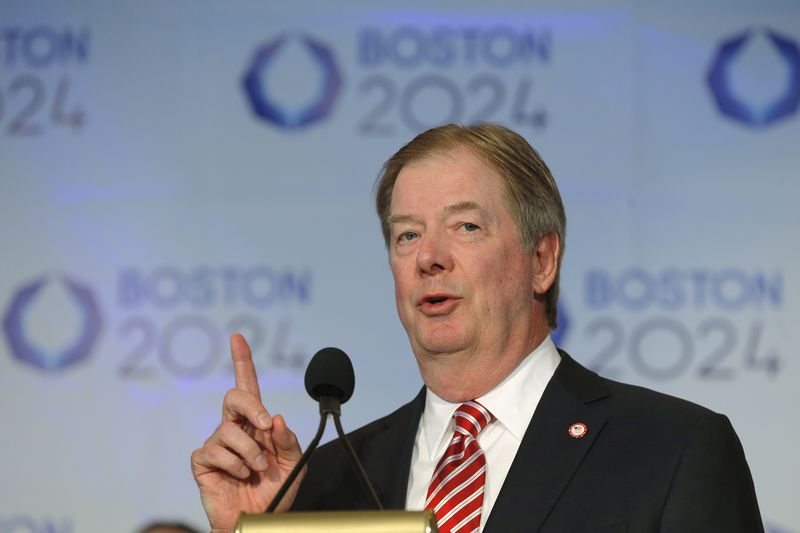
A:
[339,522]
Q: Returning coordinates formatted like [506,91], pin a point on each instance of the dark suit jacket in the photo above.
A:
[648,463]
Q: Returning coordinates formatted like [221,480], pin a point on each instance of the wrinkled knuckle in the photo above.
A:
[214,436]
[196,455]
[227,428]
[216,455]
[230,462]
[252,449]
[230,396]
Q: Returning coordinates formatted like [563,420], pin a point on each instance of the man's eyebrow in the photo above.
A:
[394,219]
[460,207]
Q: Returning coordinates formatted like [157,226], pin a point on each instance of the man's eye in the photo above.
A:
[408,236]
[469,226]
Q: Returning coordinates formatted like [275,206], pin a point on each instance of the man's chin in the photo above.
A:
[439,346]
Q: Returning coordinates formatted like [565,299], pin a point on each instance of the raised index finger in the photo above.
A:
[243,367]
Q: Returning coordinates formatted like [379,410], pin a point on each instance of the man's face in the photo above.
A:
[463,283]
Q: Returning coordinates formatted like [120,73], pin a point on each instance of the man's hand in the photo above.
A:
[247,458]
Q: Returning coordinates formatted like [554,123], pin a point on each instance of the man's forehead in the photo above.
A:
[452,181]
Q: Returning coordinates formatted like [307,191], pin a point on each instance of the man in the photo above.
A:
[508,434]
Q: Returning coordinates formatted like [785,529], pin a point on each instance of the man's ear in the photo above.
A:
[545,266]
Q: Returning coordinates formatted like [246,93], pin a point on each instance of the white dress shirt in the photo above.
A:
[512,402]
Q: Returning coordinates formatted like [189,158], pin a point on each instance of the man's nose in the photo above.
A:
[434,254]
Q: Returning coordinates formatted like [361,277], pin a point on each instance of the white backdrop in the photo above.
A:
[171,172]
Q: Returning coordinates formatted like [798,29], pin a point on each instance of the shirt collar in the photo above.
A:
[512,401]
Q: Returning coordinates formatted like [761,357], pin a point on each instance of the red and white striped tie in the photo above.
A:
[456,490]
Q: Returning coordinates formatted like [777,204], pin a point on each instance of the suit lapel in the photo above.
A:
[389,456]
[548,457]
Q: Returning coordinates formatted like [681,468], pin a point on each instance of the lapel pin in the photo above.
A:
[577,430]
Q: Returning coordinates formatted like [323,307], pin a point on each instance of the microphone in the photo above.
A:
[330,381]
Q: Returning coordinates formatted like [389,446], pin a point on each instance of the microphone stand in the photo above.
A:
[358,468]
[328,405]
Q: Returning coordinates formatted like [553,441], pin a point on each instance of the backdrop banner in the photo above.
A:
[173,172]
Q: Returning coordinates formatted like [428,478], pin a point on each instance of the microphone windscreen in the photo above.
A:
[330,373]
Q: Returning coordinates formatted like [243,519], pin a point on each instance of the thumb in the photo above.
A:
[285,441]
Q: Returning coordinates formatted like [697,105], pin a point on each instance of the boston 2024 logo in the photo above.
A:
[32,351]
[783,86]
[263,82]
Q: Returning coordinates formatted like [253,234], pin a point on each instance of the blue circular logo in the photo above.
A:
[266,106]
[735,107]
[26,349]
